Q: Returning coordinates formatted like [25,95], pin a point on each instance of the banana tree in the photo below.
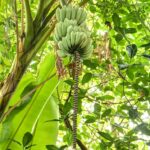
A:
[27,102]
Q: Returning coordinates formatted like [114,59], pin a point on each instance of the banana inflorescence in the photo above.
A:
[73,39]
[71,32]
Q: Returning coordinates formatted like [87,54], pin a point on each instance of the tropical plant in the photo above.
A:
[36,96]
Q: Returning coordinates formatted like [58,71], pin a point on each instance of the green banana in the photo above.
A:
[71,32]
[61,53]
[67,42]
[86,56]
[59,31]
[73,13]
[68,39]
[73,38]
[78,37]
[76,29]
[58,14]
[79,14]
[60,45]
[88,53]
[76,12]
[70,28]
[88,45]
[64,29]
[82,17]
[68,12]
[83,37]
[63,14]
[88,49]
[56,37]
[85,43]
[65,45]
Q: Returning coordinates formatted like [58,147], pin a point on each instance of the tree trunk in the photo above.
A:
[10,83]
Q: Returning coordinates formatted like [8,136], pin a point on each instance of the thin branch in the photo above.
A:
[39,11]
[48,7]
[69,94]
[119,73]
[22,18]
[124,94]
[17,31]
[38,19]
[49,17]
[29,25]
[42,38]
[21,44]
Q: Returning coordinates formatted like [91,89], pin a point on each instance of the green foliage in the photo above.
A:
[26,139]
[114,90]
[132,50]
[41,102]
[86,78]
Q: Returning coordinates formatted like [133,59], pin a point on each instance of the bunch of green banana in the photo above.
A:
[61,29]
[71,13]
[71,32]
[75,41]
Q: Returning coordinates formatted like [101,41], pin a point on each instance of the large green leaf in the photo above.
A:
[42,107]
[7,128]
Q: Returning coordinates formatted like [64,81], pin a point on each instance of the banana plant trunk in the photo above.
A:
[11,82]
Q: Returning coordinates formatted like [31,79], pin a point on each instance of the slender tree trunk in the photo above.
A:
[11,82]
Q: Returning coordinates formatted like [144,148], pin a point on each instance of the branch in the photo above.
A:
[21,44]
[48,7]
[29,26]
[38,19]
[17,31]
[22,17]
[49,17]
[119,74]
[42,37]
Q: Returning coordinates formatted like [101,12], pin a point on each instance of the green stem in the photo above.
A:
[39,15]
[29,25]
[48,7]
